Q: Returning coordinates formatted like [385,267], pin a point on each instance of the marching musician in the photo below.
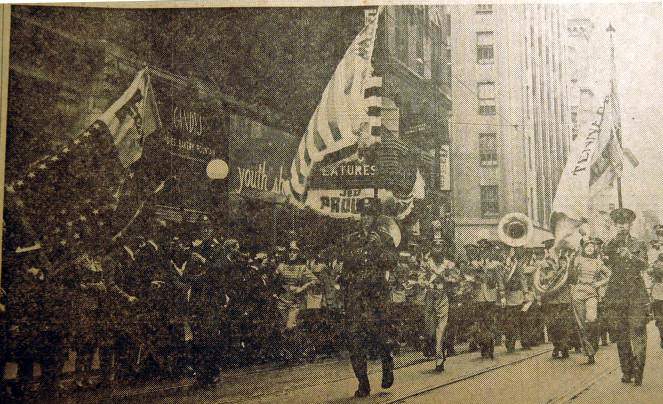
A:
[588,274]
[296,278]
[556,299]
[368,259]
[626,298]
[656,273]
[515,292]
[90,311]
[485,277]
[436,313]
[533,325]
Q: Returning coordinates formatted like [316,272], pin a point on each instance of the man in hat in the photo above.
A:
[515,293]
[655,272]
[626,298]
[369,256]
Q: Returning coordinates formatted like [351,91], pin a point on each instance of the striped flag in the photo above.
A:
[343,114]
[67,198]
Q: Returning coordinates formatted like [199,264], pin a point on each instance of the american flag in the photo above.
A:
[344,111]
[65,201]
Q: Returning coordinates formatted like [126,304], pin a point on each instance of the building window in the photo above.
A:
[488,149]
[484,8]
[486,92]
[485,47]
[489,202]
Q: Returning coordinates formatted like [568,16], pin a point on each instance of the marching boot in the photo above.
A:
[439,368]
[364,389]
[638,370]
[387,371]
[565,353]
[591,360]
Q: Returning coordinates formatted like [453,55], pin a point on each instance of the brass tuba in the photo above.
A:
[515,229]
[550,278]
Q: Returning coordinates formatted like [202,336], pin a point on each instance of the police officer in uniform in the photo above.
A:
[366,263]
[626,298]
[656,275]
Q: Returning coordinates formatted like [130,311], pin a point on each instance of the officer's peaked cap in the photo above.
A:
[622,215]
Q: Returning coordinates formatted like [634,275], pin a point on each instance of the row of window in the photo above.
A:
[413,31]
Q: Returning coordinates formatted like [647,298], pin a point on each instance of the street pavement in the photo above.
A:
[521,377]
[544,380]
[334,382]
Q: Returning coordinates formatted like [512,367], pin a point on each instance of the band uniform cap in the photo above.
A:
[483,243]
[294,246]
[548,243]
[622,215]
[593,240]
[658,227]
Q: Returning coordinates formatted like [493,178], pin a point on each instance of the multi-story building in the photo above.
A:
[510,129]
[411,56]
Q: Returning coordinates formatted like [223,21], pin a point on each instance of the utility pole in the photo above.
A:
[613,93]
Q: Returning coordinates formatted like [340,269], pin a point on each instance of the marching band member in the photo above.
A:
[626,298]
[655,271]
[438,271]
[487,282]
[588,275]
[515,291]
[556,303]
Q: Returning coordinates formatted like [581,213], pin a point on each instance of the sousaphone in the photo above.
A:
[515,229]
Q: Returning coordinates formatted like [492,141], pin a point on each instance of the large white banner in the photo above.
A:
[594,163]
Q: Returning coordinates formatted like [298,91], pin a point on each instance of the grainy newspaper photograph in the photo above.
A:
[398,202]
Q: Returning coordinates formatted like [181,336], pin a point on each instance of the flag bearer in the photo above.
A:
[588,275]
[366,263]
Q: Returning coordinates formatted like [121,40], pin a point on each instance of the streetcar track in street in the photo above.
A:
[459,379]
[575,392]
[166,390]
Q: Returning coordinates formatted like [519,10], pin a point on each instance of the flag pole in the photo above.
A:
[613,90]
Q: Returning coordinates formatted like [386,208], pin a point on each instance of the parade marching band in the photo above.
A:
[155,305]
